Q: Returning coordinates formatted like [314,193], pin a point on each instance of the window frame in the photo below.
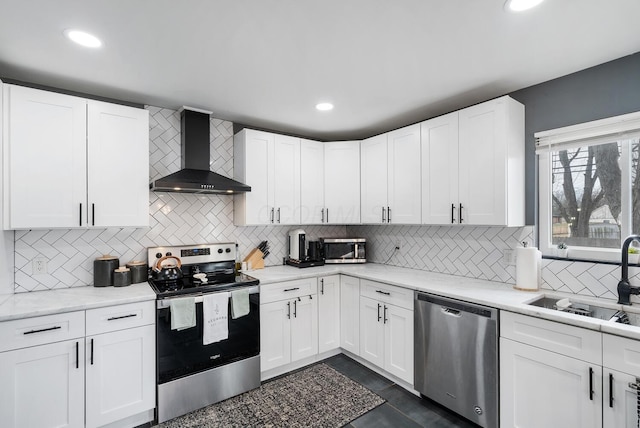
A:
[621,129]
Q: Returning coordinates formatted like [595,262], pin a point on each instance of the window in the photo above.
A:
[589,187]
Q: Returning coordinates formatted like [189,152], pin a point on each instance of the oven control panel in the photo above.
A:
[194,254]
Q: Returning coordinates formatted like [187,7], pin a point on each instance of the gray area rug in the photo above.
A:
[317,396]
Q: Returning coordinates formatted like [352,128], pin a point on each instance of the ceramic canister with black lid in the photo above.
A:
[103,268]
[122,277]
[139,271]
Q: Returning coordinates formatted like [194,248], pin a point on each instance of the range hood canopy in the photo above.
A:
[195,175]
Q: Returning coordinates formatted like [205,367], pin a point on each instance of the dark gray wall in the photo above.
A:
[606,90]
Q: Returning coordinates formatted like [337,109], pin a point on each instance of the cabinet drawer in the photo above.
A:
[398,296]
[564,339]
[112,318]
[287,290]
[621,354]
[27,332]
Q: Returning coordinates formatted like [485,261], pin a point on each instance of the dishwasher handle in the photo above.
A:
[452,306]
[450,312]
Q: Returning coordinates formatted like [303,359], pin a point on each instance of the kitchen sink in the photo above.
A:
[583,309]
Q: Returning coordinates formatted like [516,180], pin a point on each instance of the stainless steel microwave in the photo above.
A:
[344,250]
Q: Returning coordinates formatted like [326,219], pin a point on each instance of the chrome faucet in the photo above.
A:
[624,289]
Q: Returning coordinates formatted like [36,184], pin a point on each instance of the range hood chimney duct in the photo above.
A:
[195,175]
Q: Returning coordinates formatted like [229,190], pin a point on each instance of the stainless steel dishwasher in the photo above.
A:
[456,356]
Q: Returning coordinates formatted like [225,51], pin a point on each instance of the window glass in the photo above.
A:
[587,196]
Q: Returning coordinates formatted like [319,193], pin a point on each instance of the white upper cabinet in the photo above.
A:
[270,164]
[489,168]
[71,162]
[311,182]
[440,169]
[342,182]
[390,171]
[373,182]
[118,165]
[403,171]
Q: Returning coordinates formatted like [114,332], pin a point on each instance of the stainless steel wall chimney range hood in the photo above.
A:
[195,175]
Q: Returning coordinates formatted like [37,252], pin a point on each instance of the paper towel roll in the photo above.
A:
[528,268]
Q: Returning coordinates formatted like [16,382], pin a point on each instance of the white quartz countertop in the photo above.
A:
[494,294]
[36,303]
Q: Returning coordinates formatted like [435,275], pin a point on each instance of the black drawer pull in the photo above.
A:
[77,355]
[590,384]
[292,289]
[42,330]
[610,390]
[121,317]
[91,351]
[386,293]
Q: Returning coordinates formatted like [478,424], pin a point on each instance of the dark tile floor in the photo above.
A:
[402,408]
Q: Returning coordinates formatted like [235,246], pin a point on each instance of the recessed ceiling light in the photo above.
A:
[324,106]
[83,39]
[520,5]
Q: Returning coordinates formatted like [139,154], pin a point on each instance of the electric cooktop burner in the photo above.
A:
[215,261]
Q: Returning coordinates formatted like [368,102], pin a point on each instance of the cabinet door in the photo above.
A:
[329,313]
[286,172]
[342,182]
[275,334]
[482,160]
[373,179]
[439,144]
[311,182]
[403,164]
[43,386]
[45,170]
[304,327]
[620,406]
[120,374]
[118,165]
[252,155]
[567,392]
[398,342]
[350,314]
[371,331]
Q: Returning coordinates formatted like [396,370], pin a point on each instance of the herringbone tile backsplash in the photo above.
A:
[176,218]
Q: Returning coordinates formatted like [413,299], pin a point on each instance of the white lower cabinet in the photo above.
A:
[386,330]
[328,313]
[288,323]
[43,386]
[120,374]
[350,314]
[540,388]
[54,376]
[552,374]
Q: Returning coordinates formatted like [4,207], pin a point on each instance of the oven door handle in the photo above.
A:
[165,303]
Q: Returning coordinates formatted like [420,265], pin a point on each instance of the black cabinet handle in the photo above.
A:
[610,389]
[80,216]
[292,289]
[386,293]
[379,312]
[383,219]
[57,327]
[322,214]
[289,310]
[278,215]
[327,215]
[453,211]
[271,215]
[322,286]
[388,215]
[91,351]
[121,317]
[460,214]
[590,384]
[384,321]
[77,355]
[93,214]
[295,309]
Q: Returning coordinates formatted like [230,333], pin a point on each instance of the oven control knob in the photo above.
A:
[158,255]
[219,250]
[228,250]
[169,254]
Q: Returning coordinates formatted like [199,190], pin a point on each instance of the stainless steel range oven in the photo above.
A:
[190,373]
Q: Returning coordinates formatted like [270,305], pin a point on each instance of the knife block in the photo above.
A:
[255,258]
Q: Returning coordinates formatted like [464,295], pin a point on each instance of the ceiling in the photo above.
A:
[266,63]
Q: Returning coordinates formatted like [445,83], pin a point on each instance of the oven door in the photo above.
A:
[181,352]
